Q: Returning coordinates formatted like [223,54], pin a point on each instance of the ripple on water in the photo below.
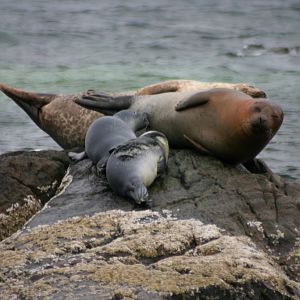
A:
[65,46]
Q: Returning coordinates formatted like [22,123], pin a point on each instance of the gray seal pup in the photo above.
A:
[134,165]
[67,123]
[226,123]
[108,132]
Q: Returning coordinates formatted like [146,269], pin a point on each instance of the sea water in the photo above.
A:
[116,45]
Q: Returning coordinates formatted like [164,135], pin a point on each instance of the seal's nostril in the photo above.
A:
[262,120]
[257,109]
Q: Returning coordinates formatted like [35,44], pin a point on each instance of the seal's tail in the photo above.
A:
[20,96]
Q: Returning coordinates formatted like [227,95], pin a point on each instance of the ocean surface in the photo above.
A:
[116,45]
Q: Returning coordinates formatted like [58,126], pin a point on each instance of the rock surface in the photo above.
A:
[214,231]
[27,181]
[141,255]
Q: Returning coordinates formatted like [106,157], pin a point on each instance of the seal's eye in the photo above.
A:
[257,109]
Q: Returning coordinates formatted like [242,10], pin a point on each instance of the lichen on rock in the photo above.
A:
[214,231]
[163,256]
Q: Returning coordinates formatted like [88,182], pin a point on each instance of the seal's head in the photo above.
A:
[264,118]
[135,120]
[137,191]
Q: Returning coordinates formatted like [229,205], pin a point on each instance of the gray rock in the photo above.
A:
[214,231]
[27,181]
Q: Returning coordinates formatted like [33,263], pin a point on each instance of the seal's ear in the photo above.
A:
[195,100]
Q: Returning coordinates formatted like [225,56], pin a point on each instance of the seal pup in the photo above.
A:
[226,123]
[108,132]
[67,123]
[134,165]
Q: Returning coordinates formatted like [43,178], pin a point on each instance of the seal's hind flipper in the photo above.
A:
[30,102]
[77,156]
[23,97]
[195,100]
[103,102]
[168,86]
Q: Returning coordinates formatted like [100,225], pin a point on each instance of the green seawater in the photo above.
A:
[70,46]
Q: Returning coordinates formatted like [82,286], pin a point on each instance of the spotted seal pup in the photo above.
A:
[134,165]
[107,132]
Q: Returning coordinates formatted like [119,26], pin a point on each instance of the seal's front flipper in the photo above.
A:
[199,147]
[105,103]
[77,156]
[101,165]
[195,100]
[257,166]
[161,166]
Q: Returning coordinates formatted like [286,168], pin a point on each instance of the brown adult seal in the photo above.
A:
[226,123]
[67,122]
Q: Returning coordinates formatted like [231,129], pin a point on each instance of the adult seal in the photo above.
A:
[134,165]
[108,132]
[67,123]
[226,123]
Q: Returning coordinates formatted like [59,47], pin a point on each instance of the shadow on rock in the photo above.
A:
[27,181]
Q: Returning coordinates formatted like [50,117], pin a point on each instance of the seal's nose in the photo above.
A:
[262,120]
[267,116]
[139,194]
[260,123]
